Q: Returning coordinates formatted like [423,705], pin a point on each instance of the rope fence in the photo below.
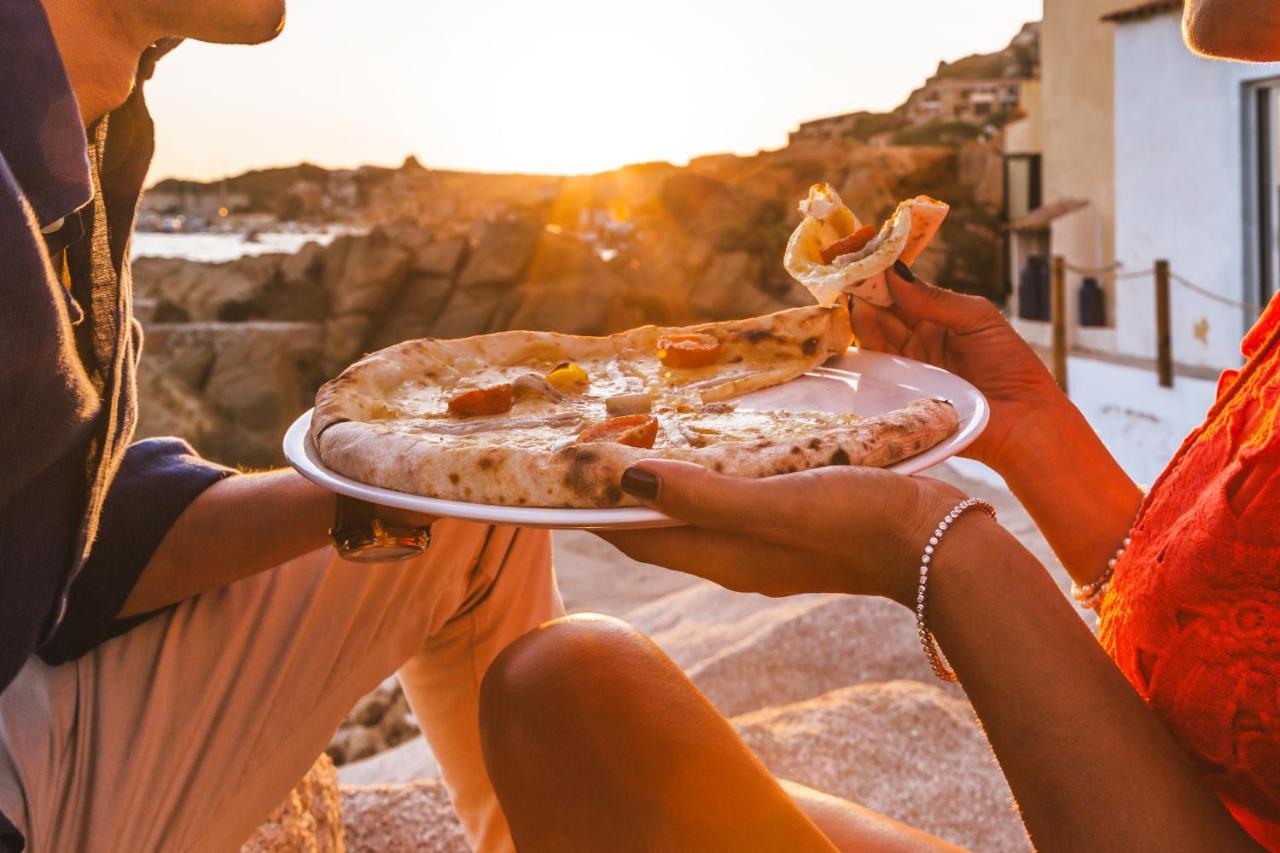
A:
[1087,271]
[1209,294]
[1161,276]
[1149,272]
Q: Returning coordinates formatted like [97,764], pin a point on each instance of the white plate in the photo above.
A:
[862,382]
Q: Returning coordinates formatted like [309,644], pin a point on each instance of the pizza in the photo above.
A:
[831,252]
[541,419]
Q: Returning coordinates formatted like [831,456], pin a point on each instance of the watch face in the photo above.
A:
[362,537]
[380,552]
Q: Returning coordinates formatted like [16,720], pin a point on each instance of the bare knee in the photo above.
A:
[556,683]
[568,657]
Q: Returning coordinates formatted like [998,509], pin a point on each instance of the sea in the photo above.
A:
[213,247]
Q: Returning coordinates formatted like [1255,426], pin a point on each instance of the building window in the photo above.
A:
[1022,183]
[1262,190]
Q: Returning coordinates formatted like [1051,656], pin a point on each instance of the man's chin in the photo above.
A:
[259,22]
[1244,31]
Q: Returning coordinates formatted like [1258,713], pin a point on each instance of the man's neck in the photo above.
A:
[100,51]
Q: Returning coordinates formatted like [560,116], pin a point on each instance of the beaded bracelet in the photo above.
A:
[927,642]
[1090,595]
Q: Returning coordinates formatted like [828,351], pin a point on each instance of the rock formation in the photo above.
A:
[849,741]
[228,365]
[308,821]
[416,816]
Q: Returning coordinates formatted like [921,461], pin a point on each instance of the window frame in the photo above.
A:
[1260,155]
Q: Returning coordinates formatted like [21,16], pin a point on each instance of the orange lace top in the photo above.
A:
[1193,613]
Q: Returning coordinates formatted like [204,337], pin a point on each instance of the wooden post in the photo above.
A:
[1164,335]
[1058,303]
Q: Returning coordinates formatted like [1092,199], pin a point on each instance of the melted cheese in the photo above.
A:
[420,406]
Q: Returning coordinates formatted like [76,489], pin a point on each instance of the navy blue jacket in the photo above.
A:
[81,508]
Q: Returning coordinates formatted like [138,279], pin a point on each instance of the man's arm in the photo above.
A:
[157,480]
[235,528]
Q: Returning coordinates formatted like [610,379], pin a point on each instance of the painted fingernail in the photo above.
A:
[904,272]
[640,483]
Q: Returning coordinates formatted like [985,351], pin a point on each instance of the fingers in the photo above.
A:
[788,509]
[704,498]
[866,326]
[926,344]
[894,330]
[917,300]
[876,328]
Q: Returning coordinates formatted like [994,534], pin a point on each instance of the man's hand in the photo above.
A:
[842,529]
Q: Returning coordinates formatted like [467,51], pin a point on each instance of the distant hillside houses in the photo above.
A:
[958,102]
[302,192]
[976,101]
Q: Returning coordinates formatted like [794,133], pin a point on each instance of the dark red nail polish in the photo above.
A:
[904,272]
[641,484]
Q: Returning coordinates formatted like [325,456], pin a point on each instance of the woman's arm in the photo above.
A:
[1081,499]
[1079,496]
[1092,767]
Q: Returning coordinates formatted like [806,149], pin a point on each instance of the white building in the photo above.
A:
[1060,186]
[1152,153]
[1135,150]
[1196,150]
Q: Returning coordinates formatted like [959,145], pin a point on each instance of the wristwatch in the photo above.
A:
[362,537]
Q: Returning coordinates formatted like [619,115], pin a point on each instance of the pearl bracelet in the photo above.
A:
[927,642]
[1090,595]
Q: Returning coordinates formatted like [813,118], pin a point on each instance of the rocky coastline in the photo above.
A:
[236,350]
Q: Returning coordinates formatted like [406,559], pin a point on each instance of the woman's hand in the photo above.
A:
[968,336]
[841,529]
[1049,455]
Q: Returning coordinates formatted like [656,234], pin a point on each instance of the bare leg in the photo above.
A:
[595,740]
[853,827]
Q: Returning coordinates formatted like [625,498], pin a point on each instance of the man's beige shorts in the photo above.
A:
[185,732]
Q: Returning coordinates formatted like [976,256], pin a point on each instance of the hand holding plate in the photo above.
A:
[838,529]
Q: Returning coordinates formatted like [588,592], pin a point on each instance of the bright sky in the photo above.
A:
[549,85]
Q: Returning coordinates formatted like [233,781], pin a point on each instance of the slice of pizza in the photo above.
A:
[544,419]
[831,252]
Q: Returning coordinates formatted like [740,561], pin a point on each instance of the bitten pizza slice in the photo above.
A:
[831,252]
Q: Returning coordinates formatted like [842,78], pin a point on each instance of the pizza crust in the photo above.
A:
[588,475]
